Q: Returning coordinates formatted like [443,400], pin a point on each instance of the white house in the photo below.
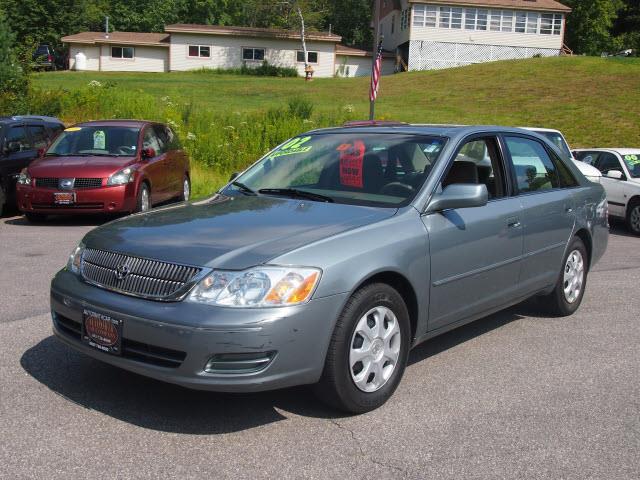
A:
[192,47]
[431,34]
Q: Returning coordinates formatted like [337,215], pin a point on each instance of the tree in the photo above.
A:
[352,20]
[627,26]
[12,78]
[589,25]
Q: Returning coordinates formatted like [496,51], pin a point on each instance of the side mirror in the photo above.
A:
[615,174]
[234,175]
[41,152]
[13,147]
[148,152]
[459,195]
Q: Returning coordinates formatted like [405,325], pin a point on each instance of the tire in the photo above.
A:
[565,301]
[143,202]
[186,190]
[373,305]
[633,217]
[35,217]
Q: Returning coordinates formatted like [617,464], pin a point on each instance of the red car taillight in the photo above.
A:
[49,58]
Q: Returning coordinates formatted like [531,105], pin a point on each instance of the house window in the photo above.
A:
[445,17]
[532,22]
[507,21]
[495,16]
[550,24]
[200,51]
[481,24]
[253,54]
[122,52]
[312,57]
[404,19]
[393,24]
[521,22]
[470,16]
[431,15]
[456,18]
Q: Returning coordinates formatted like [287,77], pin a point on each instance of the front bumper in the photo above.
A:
[190,335]
[106,199]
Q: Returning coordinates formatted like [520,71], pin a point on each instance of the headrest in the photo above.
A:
[462,172]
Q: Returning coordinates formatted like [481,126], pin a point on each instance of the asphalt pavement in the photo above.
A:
[514,395]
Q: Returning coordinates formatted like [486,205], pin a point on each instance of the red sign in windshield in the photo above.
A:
[351,159]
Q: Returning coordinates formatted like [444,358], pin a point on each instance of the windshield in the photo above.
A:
[364,169]
[558,141]
[96,140]
[633,163]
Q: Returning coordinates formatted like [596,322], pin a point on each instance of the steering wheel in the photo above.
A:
[397,189]
[125,150]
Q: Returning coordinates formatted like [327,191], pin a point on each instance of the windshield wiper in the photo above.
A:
[244,189]
[295,193]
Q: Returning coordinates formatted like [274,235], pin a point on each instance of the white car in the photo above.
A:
[557,138]
[620,169]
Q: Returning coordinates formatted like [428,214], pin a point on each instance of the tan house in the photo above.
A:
[431,34]
[191,47]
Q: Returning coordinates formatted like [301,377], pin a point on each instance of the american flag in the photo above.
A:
[375,74]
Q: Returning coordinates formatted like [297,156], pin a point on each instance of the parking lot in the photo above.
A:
[515,395]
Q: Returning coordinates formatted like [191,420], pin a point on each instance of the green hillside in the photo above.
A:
[229,121]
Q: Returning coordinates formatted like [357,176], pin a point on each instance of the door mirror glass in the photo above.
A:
[615,174]
[13,147]
[459,195]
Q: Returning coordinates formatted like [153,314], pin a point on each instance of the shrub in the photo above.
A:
[300,108]
[264,70]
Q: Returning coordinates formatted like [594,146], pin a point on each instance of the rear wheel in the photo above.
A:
[144,199]
[633,217]
[35,217]
[368,351]
[569,291]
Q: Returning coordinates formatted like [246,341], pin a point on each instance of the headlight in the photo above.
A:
[75,259]
[24,178]
[257,287]
[124,176]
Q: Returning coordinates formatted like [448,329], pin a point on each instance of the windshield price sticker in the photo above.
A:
[351,160]
[632,159]
[294,147]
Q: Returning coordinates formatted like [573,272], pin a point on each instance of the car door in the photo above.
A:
[475,252]
[548,216]
[155,166]
[18,149]
[614,187]
[172,162]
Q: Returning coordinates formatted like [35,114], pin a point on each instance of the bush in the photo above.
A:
[264,70]
[300,108]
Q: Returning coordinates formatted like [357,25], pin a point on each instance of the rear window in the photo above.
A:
[558,141]
[534,169]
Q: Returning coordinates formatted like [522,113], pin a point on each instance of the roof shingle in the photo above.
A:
[535,5]
[126,38]
[250,32]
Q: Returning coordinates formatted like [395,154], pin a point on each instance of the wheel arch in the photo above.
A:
[403,286]
[584,235]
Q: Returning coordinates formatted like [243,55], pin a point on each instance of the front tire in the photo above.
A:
[633,217]
[35,217]
[368,351]
[143,203]
[186,189]
[569,290]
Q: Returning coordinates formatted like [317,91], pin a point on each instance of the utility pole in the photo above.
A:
[374,51]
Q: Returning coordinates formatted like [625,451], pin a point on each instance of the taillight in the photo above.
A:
[49,58]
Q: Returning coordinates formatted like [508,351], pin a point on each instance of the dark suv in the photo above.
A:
[20,140]
[44,57]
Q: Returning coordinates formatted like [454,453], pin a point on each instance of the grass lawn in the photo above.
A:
[594,101]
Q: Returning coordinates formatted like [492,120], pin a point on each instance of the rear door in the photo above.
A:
[156,167]
[18,149]
[172,161]
[548,211]
[475,252]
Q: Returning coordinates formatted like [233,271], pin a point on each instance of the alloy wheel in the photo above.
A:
[573,276]
[144,200]
[374,349]
[186,190]
[634,219]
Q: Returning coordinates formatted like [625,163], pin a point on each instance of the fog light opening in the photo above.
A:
[239,363]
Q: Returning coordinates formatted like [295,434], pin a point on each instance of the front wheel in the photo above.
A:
[186,190]
[368,351]
[35,217]
[569,290]
[144,199]
[633,217]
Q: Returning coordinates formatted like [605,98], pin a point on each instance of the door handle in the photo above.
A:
[513,222]
[568,209]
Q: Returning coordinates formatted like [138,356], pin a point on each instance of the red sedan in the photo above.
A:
[105,167]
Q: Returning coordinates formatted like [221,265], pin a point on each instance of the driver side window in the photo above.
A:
[478,162]
[150,140]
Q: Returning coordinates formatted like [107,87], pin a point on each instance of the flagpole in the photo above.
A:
[374,56]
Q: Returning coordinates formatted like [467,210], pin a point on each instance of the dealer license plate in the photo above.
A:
[102,332]
[64,198]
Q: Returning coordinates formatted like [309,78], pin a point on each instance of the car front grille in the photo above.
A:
[136,276]
[50,182]
[132,350]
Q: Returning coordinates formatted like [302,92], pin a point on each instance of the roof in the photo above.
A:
[621,151]
[250,32]
[120,38]
[356,52]
[451,131]
[535,5]
[42,118]
[115,123]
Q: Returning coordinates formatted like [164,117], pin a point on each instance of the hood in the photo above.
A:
[230,232]
[74,167]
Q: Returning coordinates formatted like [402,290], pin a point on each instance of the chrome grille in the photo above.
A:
[50,182]
[136,276]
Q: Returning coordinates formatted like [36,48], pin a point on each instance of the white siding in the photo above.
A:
[396,35]
[92,53]
[146,59]
[355,66]
[226,52]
